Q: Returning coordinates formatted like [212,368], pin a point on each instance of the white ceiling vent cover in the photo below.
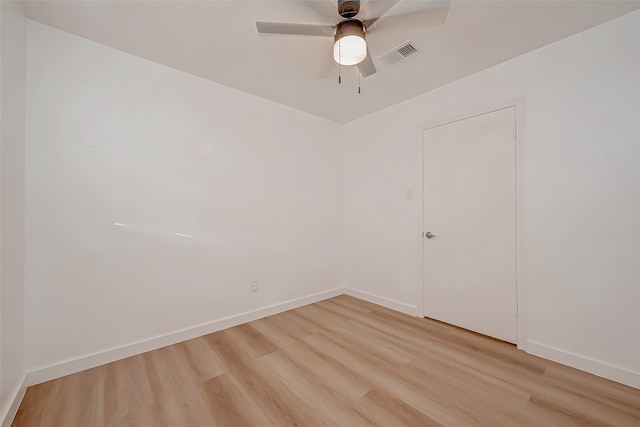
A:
[399,53]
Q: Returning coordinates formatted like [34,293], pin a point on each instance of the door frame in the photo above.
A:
[520,292]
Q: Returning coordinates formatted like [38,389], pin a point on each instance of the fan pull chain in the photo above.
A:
[358,71]
[339,62]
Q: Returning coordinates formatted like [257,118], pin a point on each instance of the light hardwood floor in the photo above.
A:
[340,362]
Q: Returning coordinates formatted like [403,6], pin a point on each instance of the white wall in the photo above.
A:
[123,153]
[12,94]
[579,194]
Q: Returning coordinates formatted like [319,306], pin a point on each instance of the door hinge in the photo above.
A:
[515,132]
[515,310]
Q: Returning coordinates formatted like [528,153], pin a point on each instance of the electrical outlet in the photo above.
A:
[255,285]
[408,195]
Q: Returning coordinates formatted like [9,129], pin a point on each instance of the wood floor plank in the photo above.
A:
[373,348]
[550,413]
[294,318]
[331,370]
[389,410]
[142,417]
[229,406]
[202,362]
[385,376]
[126,388]
[314,390]
[619,396]
[256,341]
[284,325]
[38,405]
[278,404]
[339,362]
[175,395]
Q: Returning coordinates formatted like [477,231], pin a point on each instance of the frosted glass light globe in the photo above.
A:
[350,50]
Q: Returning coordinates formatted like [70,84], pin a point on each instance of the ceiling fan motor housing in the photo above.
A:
[348,8]
[349,27]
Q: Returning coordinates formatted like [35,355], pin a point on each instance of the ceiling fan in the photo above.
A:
[351,24]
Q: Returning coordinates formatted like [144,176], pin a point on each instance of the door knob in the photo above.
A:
[429,235]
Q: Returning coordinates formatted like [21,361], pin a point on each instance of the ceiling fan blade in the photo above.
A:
[327,69]
[366,67]
[295,29]
[411,20]
[375,9]
[326,10]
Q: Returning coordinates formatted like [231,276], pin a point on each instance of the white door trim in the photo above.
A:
[520,288]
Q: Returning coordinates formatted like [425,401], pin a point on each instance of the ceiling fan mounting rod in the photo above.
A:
[348,8]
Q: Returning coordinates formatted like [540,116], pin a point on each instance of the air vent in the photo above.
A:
[399,53]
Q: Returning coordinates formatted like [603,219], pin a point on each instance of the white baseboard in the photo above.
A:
[46,373]
[385,302]
[17,396]
[596,367]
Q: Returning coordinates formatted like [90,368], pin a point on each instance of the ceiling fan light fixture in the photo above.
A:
[350,46]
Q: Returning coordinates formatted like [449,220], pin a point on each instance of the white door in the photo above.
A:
[470,209]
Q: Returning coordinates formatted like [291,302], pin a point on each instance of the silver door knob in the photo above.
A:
[429,235]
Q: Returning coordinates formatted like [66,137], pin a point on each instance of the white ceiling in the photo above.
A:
[218,40]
